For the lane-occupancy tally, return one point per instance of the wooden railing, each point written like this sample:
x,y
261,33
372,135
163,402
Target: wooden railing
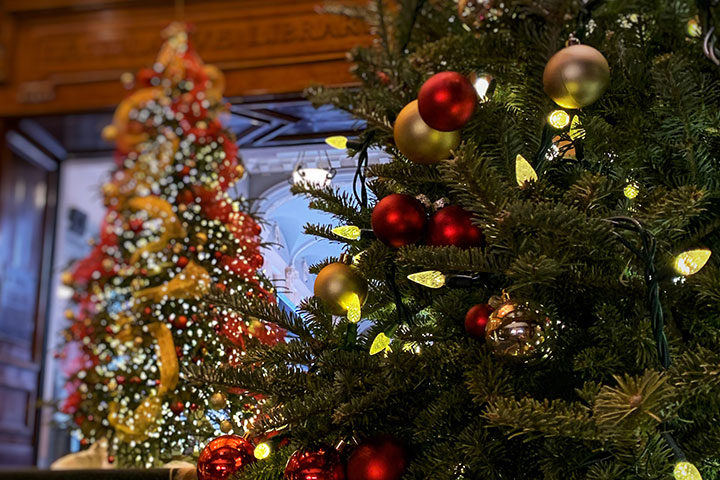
x,y
68,55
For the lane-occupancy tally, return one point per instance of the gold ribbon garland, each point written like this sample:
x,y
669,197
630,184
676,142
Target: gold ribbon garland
x,y
139,424
193,282
156,207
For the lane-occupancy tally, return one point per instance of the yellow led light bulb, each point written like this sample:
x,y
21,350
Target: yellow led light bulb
x,y
262,451
351,232
380,344
691,261
686,471
559,119
338,142
524,172
354,308
631,190
693,28
429,278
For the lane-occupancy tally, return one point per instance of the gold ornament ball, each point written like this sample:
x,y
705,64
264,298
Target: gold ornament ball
x,y
109,133
420,143
519,329
336,284
576,76
226,426
67,279
218,401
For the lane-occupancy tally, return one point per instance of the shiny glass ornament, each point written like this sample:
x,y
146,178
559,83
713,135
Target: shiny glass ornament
x,y
453,225
476,320
340,286
378,458
398,220
323,463
576,76
446,101
419,142
519,329
223,457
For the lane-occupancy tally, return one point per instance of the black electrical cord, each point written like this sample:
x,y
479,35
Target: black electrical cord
x,y
709,30
360,172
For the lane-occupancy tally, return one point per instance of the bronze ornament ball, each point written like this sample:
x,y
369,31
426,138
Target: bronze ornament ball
x,y
420,143
576,76
335,285
520,330
218,401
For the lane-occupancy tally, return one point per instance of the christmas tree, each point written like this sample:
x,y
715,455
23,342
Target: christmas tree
x,y
532,270
172,235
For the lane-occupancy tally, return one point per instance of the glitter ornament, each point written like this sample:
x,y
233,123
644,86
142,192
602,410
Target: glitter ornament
x,y
398,220
378,458
322,463
223,457
419,142
576,76
453,225
446,101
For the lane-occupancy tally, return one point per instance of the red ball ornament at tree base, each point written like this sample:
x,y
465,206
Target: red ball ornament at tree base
x,y
323,463
378,458
398,220
476,320
446,101
224,456
453,226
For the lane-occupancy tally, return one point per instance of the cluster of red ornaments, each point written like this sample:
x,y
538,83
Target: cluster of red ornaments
x,y
378,458
399,220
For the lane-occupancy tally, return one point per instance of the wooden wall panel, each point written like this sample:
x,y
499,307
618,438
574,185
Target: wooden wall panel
x,y
69,59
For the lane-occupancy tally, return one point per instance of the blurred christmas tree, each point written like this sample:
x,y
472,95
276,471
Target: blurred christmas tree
x,y
553,325
171,235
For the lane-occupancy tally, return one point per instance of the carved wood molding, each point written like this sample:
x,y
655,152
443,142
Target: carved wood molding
x,y
71,59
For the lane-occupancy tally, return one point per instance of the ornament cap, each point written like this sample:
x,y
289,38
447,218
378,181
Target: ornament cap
x,y
572,40
346,258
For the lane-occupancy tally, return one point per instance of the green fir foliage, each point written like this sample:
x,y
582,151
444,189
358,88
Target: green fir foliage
x,y
600,406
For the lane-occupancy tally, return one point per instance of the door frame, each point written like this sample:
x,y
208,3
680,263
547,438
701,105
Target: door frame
x,y
28,140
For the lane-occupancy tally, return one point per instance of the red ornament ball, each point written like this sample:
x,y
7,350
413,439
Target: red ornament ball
x,y
378,458
453,226
446,101
223,457
180,322
398,220
177,407
321,464
476,320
